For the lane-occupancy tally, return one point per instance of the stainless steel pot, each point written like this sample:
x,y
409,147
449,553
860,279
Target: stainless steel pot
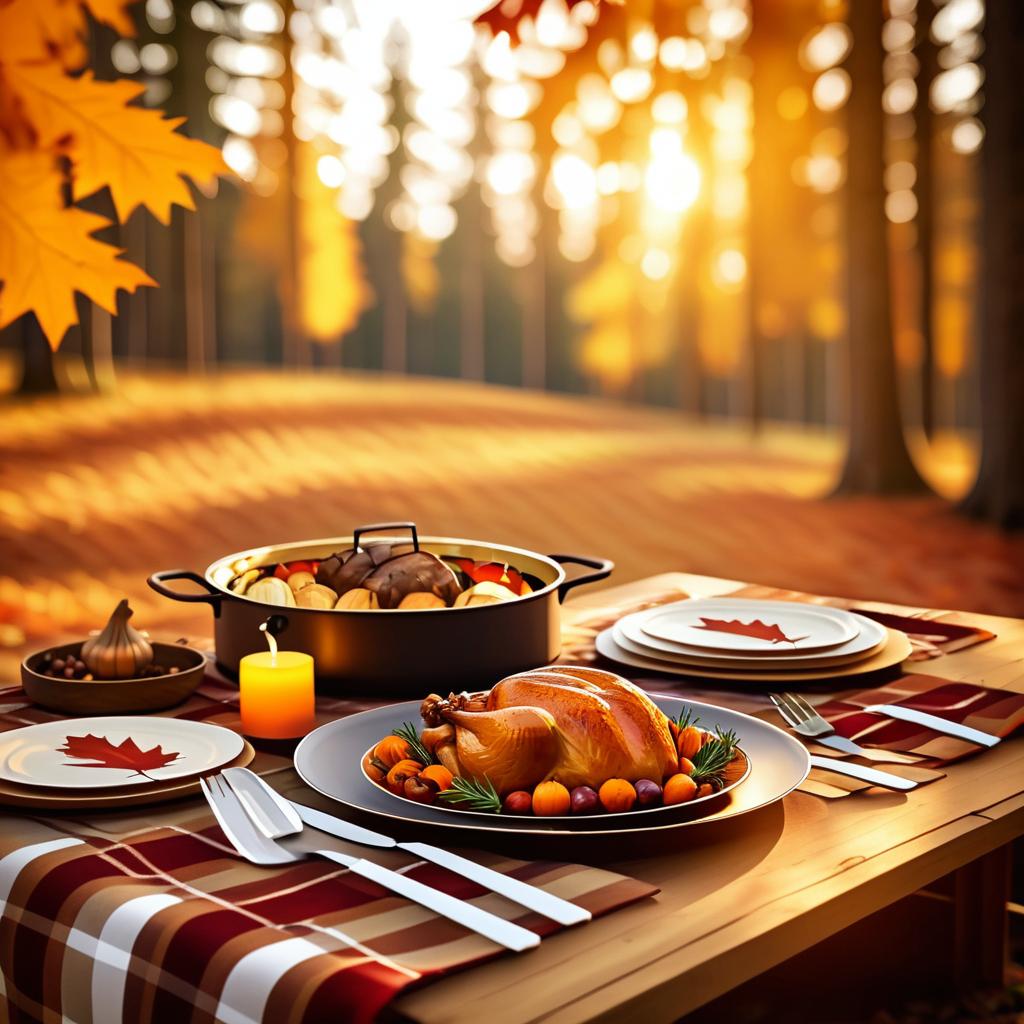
x,y
393,651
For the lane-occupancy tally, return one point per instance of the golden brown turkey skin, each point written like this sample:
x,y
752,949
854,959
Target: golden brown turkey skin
x,y
580,726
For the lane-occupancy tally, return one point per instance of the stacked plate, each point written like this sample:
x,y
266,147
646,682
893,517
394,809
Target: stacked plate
x,y
753,641
112,761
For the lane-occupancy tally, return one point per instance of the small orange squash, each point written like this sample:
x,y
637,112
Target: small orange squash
x,y
689,741
405,769
391,750
374,769
550,798
438,774
686,766
679,789
617,796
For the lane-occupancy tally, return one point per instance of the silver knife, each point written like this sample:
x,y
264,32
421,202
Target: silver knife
x,y
526,895
943,725
862,772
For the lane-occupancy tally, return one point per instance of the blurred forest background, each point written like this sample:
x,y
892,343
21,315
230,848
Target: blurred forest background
x,y
797,220
643,200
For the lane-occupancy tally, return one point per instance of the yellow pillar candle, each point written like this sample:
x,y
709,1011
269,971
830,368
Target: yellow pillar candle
x,y
276,693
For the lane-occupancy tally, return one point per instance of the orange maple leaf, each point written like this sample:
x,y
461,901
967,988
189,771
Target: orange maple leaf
x,y
113,13
40,30
99,752
47,251
134,151
757,629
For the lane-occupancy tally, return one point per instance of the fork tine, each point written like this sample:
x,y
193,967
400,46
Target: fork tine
x,y
240,832
787,714
797,709
805,706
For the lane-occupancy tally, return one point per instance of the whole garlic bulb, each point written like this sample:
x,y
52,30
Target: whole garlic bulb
x,y
120,651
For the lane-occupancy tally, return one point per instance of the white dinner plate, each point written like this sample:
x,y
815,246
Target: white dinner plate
x,y
760,627
113,751
630,634
896,650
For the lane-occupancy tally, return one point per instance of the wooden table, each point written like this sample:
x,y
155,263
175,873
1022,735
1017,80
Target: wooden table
x,y
776,882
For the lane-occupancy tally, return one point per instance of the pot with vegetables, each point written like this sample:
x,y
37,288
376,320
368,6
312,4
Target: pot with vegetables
x,y
387,614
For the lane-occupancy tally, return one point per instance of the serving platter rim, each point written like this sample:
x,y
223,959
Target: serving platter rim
x,y
419,814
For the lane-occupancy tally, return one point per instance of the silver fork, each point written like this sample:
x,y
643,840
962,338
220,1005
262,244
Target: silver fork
x,y
252,844
278,818
802,718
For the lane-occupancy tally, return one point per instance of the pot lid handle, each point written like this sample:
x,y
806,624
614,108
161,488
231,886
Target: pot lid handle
x,y
377,527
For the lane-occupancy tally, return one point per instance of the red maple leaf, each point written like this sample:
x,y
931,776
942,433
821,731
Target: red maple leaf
x,y
757,629
101,753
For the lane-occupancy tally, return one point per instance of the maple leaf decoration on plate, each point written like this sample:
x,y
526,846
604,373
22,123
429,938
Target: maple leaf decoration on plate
x,y
99,752
757,629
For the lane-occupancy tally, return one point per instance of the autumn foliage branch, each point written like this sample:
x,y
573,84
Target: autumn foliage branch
x,y
64,136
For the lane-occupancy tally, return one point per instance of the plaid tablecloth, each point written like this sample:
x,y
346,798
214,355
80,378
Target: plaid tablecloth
x,y
148,915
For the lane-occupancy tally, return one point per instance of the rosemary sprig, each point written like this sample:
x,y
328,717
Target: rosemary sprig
x,y
477,796
407,731
686,719
714,757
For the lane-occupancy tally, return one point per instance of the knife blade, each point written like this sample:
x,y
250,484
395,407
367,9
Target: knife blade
x,y
530,896
943,725
862,772
342,829
870,753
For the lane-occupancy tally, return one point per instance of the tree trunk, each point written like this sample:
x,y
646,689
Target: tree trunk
x,y
37,376
926,51
998,494
877,459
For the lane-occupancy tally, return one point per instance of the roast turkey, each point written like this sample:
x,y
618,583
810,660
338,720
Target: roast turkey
x,y
578,725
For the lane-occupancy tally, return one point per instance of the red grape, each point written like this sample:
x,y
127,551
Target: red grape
x,y
648,793
584,800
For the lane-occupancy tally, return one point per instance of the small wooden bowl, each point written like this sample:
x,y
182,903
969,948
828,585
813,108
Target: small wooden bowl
x,y
114,696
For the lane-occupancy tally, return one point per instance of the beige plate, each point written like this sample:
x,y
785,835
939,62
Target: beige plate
x,y
896,650
13,795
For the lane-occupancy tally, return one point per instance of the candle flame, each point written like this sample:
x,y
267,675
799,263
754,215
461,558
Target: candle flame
x,y
271,640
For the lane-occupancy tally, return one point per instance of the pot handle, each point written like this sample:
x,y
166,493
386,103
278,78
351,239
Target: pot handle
x,y
374,527
158,580
603,567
